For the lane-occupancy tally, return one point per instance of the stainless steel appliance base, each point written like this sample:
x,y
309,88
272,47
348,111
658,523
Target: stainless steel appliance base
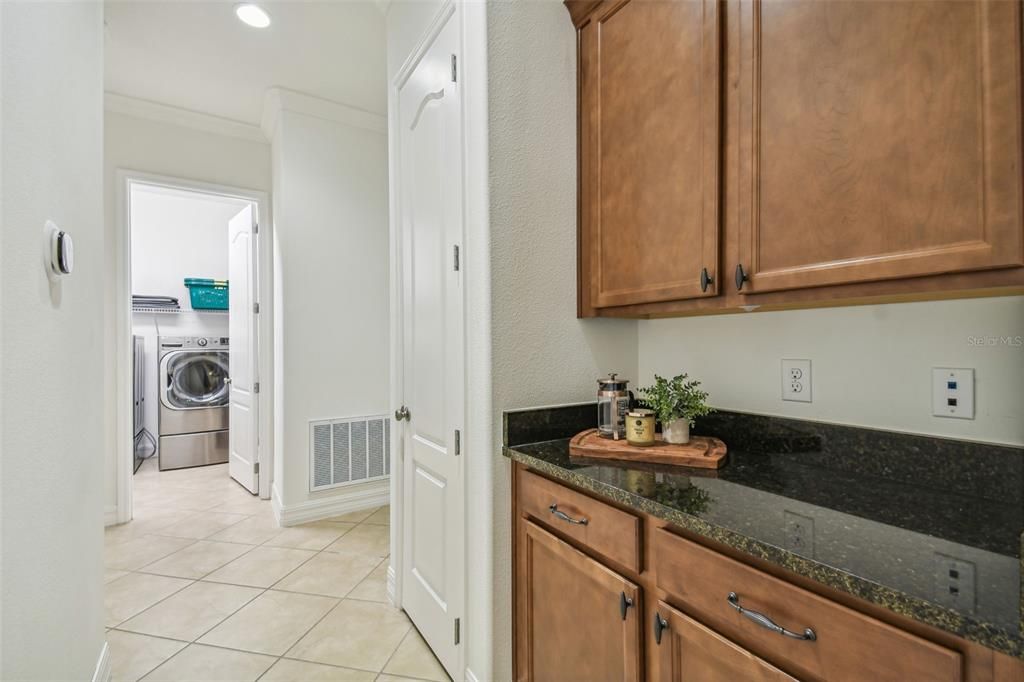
x,y
193,450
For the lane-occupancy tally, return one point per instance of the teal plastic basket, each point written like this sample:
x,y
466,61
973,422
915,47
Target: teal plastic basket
x,y
207,294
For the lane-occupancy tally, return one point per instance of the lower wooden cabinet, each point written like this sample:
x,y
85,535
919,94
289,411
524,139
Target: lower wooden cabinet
x,y
588,609
690,652
580,621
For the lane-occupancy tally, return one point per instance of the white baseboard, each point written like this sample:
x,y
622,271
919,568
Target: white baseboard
x,y
340,503
103,670
470,677
110,515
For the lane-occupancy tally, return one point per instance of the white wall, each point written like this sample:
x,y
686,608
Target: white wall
x,y
871,365
238,158
51,543
176,235
331,231
541,353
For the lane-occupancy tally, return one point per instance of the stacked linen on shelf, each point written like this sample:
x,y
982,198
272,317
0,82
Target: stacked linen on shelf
x,y
162,302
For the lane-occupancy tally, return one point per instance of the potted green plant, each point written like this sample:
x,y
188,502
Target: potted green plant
x,y
677,403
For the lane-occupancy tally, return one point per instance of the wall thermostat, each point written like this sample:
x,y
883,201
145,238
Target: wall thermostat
x,y
61,250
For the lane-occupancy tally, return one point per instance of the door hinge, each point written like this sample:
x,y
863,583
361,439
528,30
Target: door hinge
x,y
256,387
458,442
256,308
457,630
255,467
256,228
455,69
455,257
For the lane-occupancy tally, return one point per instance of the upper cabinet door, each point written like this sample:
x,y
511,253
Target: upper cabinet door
x,y
878,140
649,151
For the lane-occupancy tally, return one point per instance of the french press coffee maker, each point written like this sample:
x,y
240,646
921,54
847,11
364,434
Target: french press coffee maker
x,y
613,401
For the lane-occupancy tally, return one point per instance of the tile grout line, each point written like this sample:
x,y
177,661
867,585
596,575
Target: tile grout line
x,y
199,489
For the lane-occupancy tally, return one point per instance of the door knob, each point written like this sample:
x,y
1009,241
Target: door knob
x,y
402,413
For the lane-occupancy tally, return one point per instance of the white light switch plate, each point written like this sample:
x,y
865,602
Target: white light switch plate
x,y
796,380
953,392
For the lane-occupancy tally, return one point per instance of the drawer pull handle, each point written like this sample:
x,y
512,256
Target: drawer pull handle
x,y
624,604
582,521
660,625
766,622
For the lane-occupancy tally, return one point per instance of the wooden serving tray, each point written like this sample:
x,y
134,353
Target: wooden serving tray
x,y
701,452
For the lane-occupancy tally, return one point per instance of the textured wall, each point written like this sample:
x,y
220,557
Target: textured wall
x,y
870,365
331,231
51,487
541,353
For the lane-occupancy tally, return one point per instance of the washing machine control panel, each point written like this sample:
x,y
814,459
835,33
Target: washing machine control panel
x,y
196,342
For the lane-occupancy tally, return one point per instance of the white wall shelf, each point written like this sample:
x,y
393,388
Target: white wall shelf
x,y
175,311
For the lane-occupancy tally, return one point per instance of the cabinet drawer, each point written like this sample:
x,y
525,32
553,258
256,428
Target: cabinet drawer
x,y
847,645
611,532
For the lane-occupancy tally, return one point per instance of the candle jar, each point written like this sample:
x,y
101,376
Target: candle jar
x,y
640,427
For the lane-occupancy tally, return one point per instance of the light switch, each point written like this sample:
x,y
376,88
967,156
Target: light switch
x,y
953,392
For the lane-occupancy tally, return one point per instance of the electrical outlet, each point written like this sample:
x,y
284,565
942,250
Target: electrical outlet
x,y
799,534
796,380
953,392
955,582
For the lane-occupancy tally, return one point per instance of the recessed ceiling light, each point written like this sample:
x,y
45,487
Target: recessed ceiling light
x,y
253,15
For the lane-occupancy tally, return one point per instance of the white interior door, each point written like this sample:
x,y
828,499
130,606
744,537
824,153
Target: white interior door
x,y
430,210
244,408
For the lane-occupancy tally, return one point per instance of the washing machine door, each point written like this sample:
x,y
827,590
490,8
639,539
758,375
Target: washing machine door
x,y
194,379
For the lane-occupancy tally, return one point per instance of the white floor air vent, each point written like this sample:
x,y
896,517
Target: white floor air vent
x,y
347,451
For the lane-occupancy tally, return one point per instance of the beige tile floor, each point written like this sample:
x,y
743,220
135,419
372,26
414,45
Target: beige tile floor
x,y
203,585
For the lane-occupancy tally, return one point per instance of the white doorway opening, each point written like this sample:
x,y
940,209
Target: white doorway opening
x,y
207,344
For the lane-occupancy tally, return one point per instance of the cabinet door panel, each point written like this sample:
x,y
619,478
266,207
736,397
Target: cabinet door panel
x,y
878,140
569,624
649,150
690,652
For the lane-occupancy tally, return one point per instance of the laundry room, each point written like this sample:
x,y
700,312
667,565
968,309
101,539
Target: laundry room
x,y
180,324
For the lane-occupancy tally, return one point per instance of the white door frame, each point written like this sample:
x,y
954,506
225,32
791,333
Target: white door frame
x,y
123,324
477,436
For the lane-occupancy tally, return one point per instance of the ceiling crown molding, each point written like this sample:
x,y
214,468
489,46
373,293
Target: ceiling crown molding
x,y
186,118
282,99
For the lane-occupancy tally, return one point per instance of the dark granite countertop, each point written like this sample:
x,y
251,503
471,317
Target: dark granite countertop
x,y
882,516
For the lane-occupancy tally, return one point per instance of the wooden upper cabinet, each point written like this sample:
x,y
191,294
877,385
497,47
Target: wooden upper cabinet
x,y
649,92
689,652
877,140
575,619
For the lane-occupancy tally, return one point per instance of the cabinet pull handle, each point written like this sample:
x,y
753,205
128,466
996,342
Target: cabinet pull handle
x,y
741,276
582,521
766,622
660,625
706,280
624,604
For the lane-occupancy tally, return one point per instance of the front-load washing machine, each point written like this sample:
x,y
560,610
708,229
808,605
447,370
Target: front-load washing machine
x,y
194,387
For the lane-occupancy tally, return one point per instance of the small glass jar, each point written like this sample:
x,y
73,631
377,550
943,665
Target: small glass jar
x,y
640,427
